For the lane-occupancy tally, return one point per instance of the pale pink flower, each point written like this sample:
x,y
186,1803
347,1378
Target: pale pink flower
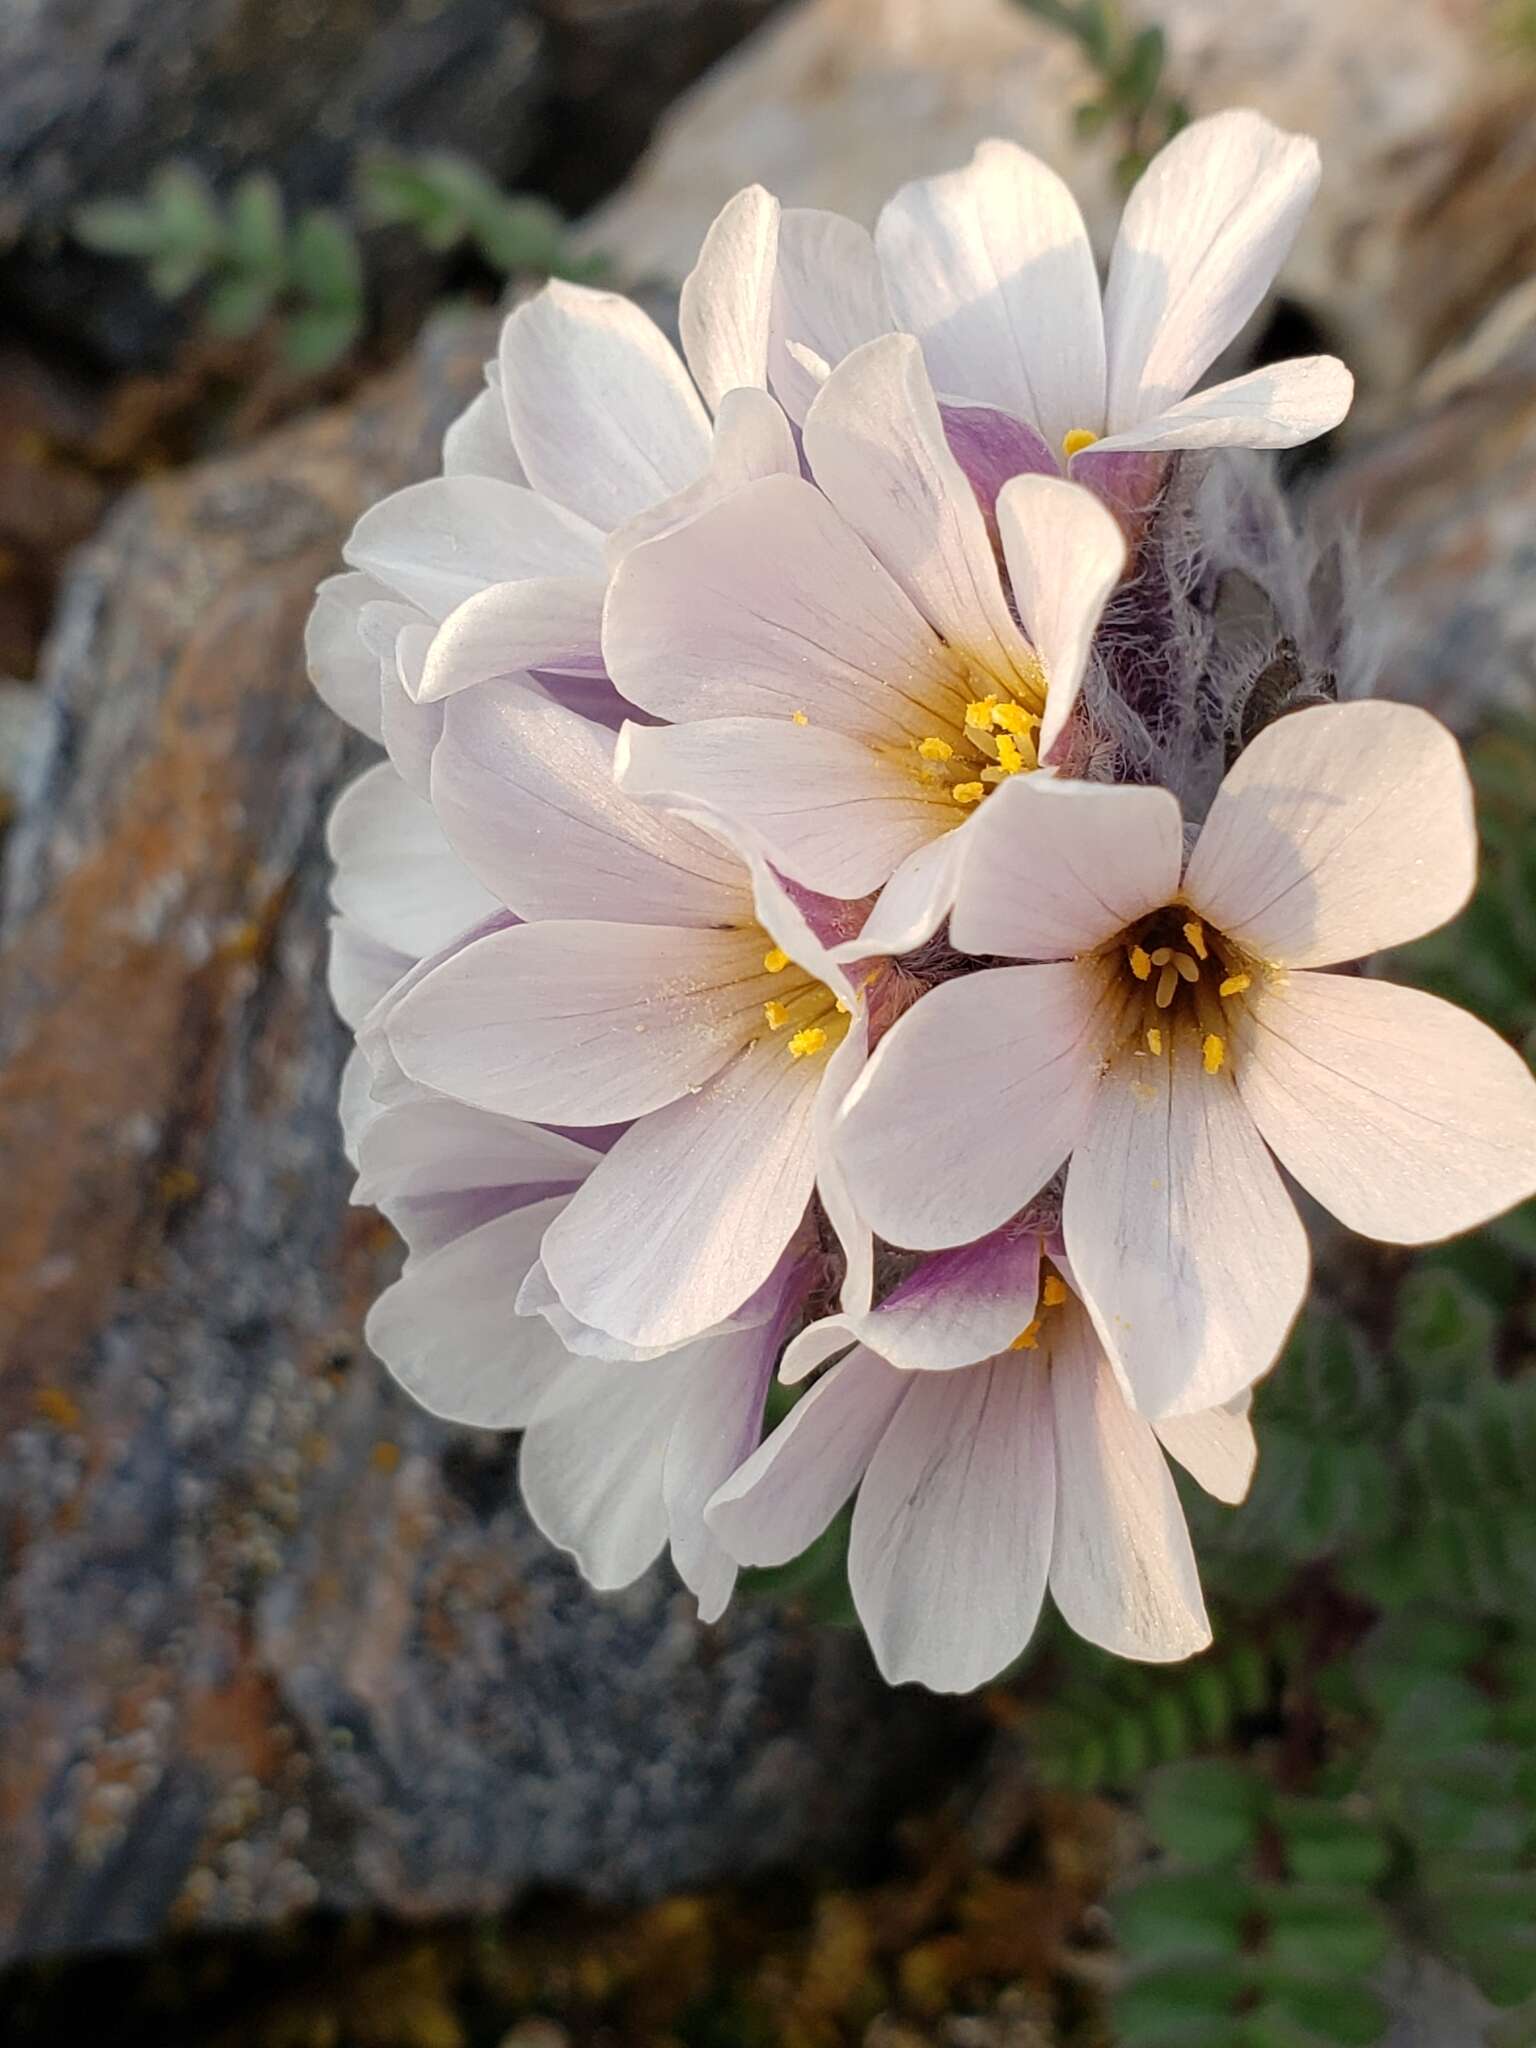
x,y
1175,1033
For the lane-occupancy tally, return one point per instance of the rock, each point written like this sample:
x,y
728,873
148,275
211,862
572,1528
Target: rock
x,y
269,1637
1425,211
94,97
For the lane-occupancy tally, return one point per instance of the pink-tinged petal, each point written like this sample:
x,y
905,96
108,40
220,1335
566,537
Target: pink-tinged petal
x,y
826,1338
1401,1114
434,1146
537,1297
1216,1448
592,1460
727,298
525,792
957,1307
787,1492
876,446
829,298
992,447
1203,234
1340,829
690,1211
447,1332
1188,1251
1055,868
1122,1569
604,417
411,731
355,1106
1065,554
360,969
1129,480
1024,1041
991,269
913,903
343,669
396,876
767,605
445,540
828,810
752,439
951,1537
479,443
716,1431
1279,406
538,622
581,1023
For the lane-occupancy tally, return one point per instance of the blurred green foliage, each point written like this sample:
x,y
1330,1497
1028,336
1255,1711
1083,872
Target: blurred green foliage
x,y
1133,102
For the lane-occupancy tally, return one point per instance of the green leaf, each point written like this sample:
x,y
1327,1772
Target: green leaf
x,y
117,227
238,304
1345,2014
520,234
1323,1929
173,274
313,341
325,265
257,229
1205,1811
1180,1913
1325,1844
187,211
1137,81
1152,2004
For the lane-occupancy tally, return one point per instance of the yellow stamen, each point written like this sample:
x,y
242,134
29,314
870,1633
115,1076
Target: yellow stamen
x,y
1235,984
800,718
982,713
1155,1041
1076,441
1194,931
935,749
1054,1292
968,792
1027,1338
842,1008
776,1014
1213,1051
775,960
1141,959
1013,718
812,1039
1009,759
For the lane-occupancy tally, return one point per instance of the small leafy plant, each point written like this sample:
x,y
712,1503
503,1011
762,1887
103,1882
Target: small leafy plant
x,y
1129,62
449,202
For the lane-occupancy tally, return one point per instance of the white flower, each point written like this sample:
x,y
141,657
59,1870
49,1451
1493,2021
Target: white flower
x,y
981,1485
1175,1033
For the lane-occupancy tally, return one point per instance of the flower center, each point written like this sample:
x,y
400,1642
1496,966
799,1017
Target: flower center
x,y
995,741
811,1018
1181,975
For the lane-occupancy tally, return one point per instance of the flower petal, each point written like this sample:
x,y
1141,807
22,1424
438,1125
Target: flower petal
x,y
410,730
435,1146
449,538
1216,1447
769,604
525,792
538,622
396,876
951,1537
829,298
1187,1249
958,1307
479,442
344,671
581,1023
1279,406
1401,1114
1122,1569
1026,1038
716,1431
991,269
604,417
992,447
727,298
359,970
1065,554
752,439
787,1492
1340,829
1055,868
913,903
1204,231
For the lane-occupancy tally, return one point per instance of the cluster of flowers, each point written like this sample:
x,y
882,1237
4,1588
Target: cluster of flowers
x,y
840,901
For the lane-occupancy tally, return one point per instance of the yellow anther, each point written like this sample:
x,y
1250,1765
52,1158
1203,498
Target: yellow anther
x,y
800,718
1009,759
1213,1051
842,1008
1155,1041
1194,931
935,749
968,792
1141,959
1013,718
1076,441
1054,1292
776,1014
1027,1338
982,713
1235,984
775,960
812,1039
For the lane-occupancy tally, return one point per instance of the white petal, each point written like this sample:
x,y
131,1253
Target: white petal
x,y
1065,554
829,297
396,875
1203,234
716,1431
992,447
584,1023
1340,829
990,268
344,671
411,731
951,1535
876,446
957,1307
434,1146
1122,1570
769,604
1407,1118
449,538
538,622
447,1332
526,794
355,1106
988,1082
727,298
604,417
787,1492
1055,868
359,970
752,439
913,903
1187,1249
828,810
1216,1447
1280,406
688,1214
479,443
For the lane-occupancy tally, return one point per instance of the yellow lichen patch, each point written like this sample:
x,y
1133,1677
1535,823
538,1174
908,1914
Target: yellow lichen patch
x,y
1076,440
57,1407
